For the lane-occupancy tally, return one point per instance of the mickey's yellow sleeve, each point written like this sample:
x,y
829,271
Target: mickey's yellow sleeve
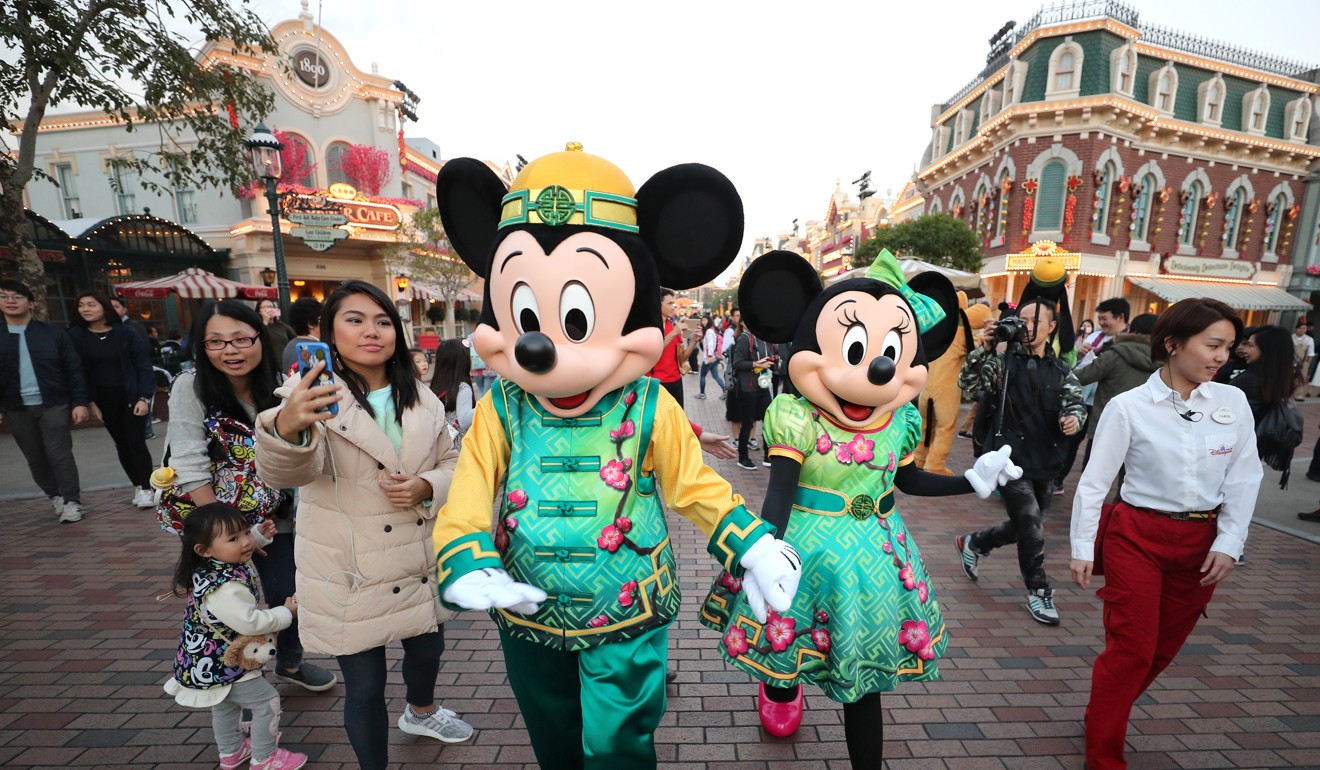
x,y
462,536
696,491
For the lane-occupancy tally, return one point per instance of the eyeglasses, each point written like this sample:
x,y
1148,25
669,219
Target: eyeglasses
x,y
239,343
12,297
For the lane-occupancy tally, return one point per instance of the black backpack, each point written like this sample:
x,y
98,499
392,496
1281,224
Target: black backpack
x,y
1278,433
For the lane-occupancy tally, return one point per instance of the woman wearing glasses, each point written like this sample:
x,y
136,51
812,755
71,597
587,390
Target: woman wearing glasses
x,y
1189,448
210,447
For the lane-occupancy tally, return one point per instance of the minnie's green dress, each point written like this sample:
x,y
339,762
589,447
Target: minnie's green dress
x,y
865,616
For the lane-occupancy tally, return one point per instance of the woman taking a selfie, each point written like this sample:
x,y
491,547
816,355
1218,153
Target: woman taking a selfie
x,y
371,479
1189,448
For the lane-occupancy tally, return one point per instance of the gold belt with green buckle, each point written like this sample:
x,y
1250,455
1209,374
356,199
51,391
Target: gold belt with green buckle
x,y
827,502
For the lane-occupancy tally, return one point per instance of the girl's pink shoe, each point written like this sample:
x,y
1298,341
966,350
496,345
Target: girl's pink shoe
x,y
282,759
780,719
238,758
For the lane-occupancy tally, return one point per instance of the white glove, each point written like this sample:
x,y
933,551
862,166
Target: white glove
x,y
992,470
485,588
773,571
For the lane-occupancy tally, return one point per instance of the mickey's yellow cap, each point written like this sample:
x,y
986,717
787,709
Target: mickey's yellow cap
x,y
571,188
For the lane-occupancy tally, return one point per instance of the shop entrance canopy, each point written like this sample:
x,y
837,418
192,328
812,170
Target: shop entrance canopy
x,y
194,283
1239,296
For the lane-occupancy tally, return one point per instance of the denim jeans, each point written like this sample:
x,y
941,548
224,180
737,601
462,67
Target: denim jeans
x,y
1027,501
278,582
714,369
366,719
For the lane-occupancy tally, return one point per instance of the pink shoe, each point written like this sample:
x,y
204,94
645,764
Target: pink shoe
x,y
779,719
282,759
238,758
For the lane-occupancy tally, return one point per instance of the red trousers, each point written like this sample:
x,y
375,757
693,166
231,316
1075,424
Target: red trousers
x,y
1153,597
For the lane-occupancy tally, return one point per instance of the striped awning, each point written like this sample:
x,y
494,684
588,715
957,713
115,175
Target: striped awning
x,y
429,291
194,283
1239,296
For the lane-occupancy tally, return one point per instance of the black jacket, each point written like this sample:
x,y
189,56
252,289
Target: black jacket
x,y
136,377
58,369
747,350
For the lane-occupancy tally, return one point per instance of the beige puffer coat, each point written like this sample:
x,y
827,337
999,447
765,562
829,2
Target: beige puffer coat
x,y
366,571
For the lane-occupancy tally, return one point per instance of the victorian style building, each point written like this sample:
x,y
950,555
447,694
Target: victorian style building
x,y
1174,166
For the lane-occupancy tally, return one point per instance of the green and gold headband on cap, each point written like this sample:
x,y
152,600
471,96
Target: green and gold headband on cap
x,y
571,188
886,269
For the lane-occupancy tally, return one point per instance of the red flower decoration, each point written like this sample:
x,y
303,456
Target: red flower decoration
x,y
923,591
626,592
824,444
914,636
615,474
887,548
859,450
926,653
821,638
626,430
610,538
630,399
511,523
779,631
516,498
598,621
735,641
501,539
623,523
822,617
901,537
731,583
908,576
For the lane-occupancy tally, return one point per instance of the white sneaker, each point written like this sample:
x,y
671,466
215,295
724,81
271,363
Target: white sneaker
x,y
58,503
72,512
144,498
441,724
1040,603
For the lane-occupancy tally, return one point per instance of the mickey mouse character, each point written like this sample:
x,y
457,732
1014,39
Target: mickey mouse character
x,y
865,616
579,572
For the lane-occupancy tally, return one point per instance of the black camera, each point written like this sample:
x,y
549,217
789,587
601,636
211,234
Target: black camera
x,y
1010,329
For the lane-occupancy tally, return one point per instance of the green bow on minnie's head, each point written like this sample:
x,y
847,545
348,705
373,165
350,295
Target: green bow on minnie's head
x,y
885,269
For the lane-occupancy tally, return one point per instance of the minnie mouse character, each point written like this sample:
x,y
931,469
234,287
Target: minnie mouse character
x,y
579,572
865,616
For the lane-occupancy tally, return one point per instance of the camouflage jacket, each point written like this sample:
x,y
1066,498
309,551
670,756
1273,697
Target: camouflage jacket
x,y
984,371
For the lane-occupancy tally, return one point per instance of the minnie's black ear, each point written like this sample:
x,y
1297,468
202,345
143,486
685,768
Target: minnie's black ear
x,y
468,195
775,292
691,218
936,340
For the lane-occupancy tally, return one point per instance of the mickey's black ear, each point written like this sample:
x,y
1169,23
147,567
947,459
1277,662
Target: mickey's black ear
x,y
936,340
691,218
775,292
468,195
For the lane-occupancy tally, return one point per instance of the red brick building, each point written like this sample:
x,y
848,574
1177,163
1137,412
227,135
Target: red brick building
x,y
1174,165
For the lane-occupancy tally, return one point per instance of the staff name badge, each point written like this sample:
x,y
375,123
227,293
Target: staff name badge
x,y
1224,416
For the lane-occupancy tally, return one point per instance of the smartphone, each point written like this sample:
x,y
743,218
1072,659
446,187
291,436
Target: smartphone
x,y
309,353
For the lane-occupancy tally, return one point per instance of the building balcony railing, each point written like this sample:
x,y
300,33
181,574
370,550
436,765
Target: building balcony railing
x,y
1078,10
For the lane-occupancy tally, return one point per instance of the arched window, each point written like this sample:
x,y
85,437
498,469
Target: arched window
x,y
1164,88
298,160
1123,66
1191,213
334,163
1233,214
1256,110
989,104
956,208
1275,223
1211,97
984,210
1001,209
1141,208
1050,197
1013,82
1299,118
1104,195
1065,74
935,206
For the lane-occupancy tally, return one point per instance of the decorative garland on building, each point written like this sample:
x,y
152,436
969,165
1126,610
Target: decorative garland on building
x,y
1210,201
1070,205
1028,207
1289,216
1005,188
1163,194
1252,206
1124,182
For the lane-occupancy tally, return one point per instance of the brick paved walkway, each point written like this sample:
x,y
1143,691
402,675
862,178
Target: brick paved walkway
x,y
85,646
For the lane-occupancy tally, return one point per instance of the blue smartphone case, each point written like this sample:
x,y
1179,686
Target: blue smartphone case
x,y
308,354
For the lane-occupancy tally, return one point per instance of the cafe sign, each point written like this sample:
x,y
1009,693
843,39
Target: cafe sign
x,y
310,67
1208,268
360,213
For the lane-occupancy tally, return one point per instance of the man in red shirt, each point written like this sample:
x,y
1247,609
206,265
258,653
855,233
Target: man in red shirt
x,y
666,369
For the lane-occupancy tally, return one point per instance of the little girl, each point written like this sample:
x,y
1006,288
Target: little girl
x,y
215,572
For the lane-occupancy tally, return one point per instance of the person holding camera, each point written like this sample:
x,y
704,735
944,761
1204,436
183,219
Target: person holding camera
x,y
1035,405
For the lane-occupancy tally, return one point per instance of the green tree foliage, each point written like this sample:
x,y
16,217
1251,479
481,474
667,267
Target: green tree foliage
x,y
422,253
939,239
138,61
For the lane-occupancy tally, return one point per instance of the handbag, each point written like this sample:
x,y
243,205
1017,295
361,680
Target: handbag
x,y
1278,433
232,448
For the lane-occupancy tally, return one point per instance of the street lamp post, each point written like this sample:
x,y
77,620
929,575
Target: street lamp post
x,y
264,154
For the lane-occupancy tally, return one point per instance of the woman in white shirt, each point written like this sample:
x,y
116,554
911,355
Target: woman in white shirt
x,y
711,347
1189,449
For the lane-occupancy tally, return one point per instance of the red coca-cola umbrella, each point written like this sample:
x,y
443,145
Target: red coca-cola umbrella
x,y
194,283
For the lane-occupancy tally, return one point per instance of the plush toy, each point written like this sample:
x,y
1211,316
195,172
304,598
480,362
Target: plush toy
x,y
1049,280
865,616
941,398
576,443
250,652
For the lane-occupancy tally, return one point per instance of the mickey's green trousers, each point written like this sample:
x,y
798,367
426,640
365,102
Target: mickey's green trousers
x,y
596,709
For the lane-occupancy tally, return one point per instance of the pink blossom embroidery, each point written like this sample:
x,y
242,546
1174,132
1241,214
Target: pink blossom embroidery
x,y
517,498
501,539
626,592
731,583
511,523
908,576
625,431
735,641
861,448
610,538
822,617
923,591
615,474
914,636
779,631
630,399
926,653
821,638
623,523
598,621
901,537
887,548
824,444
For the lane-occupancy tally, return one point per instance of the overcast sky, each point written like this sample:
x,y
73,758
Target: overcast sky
x,y
786,98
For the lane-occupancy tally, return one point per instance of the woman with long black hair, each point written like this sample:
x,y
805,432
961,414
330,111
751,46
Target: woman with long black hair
x,y
372,475
210,447
451,382
1271,372
117,364
1189,449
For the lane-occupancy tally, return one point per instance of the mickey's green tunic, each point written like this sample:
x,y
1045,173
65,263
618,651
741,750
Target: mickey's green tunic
x,y
865,616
